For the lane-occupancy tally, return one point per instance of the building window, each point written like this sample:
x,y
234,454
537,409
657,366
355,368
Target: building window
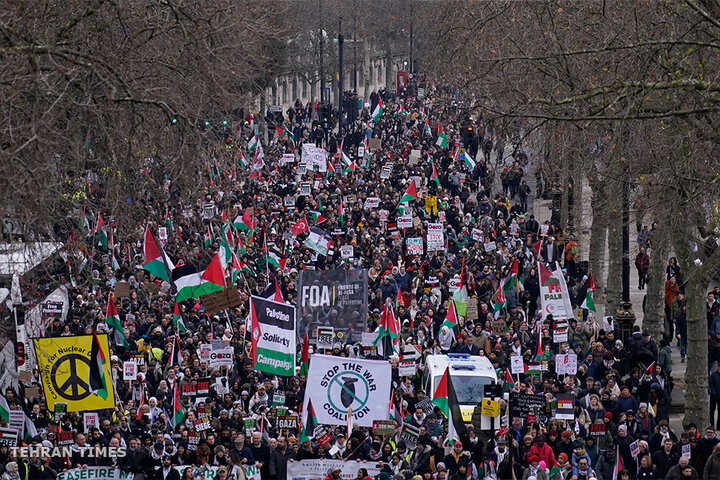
x,y
294,89
379,74
304,89
284,92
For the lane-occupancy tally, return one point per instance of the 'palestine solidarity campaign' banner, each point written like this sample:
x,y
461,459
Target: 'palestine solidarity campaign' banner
x,y
338,385
554,295
333,298
273,336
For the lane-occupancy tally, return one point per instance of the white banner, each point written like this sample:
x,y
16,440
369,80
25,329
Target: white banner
x,y
554,296
337,384
106,473
221,356
211,472
317,469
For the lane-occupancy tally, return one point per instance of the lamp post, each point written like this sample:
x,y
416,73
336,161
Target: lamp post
x,y
340,76
625,317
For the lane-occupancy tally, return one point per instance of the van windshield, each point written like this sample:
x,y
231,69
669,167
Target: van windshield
x,y
470,390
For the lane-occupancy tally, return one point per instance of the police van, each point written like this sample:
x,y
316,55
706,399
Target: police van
x,y
469,375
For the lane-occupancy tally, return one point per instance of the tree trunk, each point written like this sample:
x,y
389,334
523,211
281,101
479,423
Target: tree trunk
x,y
654,317
367,77
262,125
696,373
598,237
614,276
564,204
389,64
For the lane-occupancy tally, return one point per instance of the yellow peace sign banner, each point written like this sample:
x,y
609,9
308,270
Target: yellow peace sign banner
x,y
66,365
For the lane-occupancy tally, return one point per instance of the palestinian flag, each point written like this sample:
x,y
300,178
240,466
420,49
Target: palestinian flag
x,y
451,320
388,332
341,214
330,169
178,413
243,162
244,222
509,382
428,130
532,369
536,247
253,143
512,280
377,113
237,263
225,254
99,369
30,430
113,319
395,412
442,140
617,468
284,133
190,283
4,409
410,194
469,161
500,301
446,400
273,292
276,260
168,220
366,153
305,357
308,426
101,232
586,294
208,237
176,356
349,169
317,217
434,176
178,321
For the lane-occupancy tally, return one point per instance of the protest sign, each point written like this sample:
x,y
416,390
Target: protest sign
x,y
405,221
333,297
347,251
383,427
426,404
287,422
273,332
372,202
564,410
524,404
66,365
325,337
8,437
317,469
414,246
554,296
106,473
490,407
221,356
336,385
435,237
407,369
129,370
516,364
410,434
566,364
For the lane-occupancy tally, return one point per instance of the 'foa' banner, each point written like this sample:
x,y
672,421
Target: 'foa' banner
x,y
273,332
73,373
338,385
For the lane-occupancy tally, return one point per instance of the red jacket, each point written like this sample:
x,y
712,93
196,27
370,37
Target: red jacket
x,y
545,453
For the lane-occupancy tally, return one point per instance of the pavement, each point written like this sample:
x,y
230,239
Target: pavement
x,y
541,209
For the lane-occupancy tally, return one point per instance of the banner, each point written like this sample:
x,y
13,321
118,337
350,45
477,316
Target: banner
x,y
105,473
210,472
65,366
414,246
273,328
317,469
336,385
554,296
334,298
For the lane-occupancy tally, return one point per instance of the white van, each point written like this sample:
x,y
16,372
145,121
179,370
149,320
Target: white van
x,y
469,374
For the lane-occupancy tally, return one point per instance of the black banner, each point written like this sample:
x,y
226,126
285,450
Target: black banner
x,y
333,298
525,404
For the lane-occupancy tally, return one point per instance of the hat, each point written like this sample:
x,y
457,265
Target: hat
x,y
608,415
169,442
566,434
533,458
159,446
441,466
501,441
608,355
562,458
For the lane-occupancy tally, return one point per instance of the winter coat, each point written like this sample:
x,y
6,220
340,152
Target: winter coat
x,y
712,468
664,359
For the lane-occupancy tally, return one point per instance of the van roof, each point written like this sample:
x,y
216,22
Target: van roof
x,y
459,364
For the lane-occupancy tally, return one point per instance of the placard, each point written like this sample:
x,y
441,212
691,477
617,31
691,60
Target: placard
x,y
287,422
564,410
289,201
347,251
517,365
129,370
8,437
410,434
686,450
476,235
17,421
217,301
220,357
490,246
435,237
163,233
374,143
305,189
372,202
221,385
288,158
383,215
426,404
634,448
65,438
566,363
414,246
471,310
278,398
524,404
499,327
122,290
385,173
32,392
406,221
203,423
407,369
325,337
203,386
383,427
596,429
560,336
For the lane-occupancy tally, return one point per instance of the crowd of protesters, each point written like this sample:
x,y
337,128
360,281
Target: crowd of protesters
x,y
614,385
